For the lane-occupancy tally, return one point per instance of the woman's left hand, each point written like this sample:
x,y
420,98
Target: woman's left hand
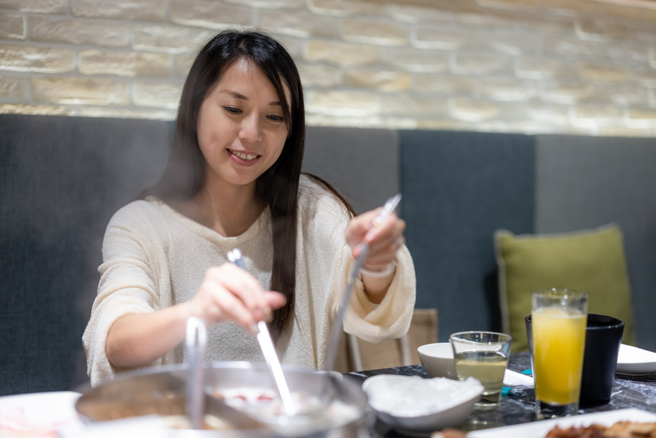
x,y
384,240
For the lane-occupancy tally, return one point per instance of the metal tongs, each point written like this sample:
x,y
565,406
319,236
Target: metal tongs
x,y
337,327
269,351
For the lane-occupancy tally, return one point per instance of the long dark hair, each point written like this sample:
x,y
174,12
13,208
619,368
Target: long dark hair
x,y
184,175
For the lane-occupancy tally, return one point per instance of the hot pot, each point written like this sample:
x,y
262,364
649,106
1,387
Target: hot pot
x,y
162,391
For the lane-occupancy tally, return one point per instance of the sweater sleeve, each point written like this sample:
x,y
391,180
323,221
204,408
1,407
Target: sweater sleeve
x,y
127,285
391,318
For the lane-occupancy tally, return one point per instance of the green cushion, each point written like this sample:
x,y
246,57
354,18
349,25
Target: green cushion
x,y
591,260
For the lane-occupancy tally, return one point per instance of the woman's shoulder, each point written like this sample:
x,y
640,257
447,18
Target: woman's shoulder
x,y
317,200
137,213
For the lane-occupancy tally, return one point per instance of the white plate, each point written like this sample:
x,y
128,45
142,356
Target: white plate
x,y
539,429
38,414
634,360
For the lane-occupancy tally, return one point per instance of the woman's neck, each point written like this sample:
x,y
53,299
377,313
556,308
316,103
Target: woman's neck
x,y
229,210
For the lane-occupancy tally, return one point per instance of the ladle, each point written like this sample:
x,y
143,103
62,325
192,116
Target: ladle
x,y
269,351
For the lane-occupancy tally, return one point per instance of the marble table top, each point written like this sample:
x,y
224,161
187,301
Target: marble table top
x,y
518,408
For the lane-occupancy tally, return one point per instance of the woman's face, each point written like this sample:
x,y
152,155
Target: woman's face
x,y
241,130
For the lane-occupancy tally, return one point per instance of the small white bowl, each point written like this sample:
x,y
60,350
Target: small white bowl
x,y
437,360
416,405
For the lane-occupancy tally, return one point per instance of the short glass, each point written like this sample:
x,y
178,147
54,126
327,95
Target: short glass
x,y
483,356
558,318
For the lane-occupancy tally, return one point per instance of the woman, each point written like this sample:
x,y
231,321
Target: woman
x,y
233,181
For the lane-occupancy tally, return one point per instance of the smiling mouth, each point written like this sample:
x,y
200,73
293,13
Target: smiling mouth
x,y
243,156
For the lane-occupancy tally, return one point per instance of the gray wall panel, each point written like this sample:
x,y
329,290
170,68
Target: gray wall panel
x,y
344,158
585,182
458,188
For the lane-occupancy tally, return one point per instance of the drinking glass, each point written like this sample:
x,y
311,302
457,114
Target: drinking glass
x,y
483,356
559,318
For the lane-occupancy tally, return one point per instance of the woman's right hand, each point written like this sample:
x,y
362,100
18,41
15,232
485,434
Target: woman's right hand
x,y
229,293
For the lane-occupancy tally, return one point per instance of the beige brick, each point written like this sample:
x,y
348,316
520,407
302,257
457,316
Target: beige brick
x,y
511,44
374,32
12,87
646,78
343,103
414,13
35,110
471,110
536,24
601,73
72,31
210,14
345,7
11,26
340,53
124,113
652,98
652,57
565,92
361,122
299,24
478,63
38,6
597,115
273,4
618,131
507,89
168,39
404,105
157,94
96,62
36,59
640,118
622,96
377,79
442,38
318,75
510,5
416,60
614,51
485,19
540,68
601,29
294,46
182,64
545,113
92,91
138,10
445,84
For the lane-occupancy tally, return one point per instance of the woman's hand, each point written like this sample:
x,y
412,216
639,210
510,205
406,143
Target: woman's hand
x,y
229,293
384,241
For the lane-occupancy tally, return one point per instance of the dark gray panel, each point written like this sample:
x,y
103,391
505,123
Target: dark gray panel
x,y
458,189
585,182
362,164
61,179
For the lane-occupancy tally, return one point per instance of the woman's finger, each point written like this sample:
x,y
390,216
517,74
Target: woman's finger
x,y
359,226
242,285
232,308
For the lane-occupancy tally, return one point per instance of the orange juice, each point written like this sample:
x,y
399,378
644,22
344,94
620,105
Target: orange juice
x,y
558,344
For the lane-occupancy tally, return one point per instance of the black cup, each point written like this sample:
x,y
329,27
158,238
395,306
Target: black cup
x,y
603,336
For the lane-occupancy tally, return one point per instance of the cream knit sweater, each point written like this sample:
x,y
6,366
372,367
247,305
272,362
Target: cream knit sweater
x,y
154,257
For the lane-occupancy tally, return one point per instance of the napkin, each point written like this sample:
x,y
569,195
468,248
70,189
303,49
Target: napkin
x,y
512,378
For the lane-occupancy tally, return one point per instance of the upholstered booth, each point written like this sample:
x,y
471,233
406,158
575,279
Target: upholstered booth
x,y
62,178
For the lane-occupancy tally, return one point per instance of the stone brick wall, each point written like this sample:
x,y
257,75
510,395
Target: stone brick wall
x,y
554,66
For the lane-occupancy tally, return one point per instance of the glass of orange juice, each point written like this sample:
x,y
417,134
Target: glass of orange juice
x,y
559,319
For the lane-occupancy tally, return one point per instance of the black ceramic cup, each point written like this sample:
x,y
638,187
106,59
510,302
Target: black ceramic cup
x,y
603,336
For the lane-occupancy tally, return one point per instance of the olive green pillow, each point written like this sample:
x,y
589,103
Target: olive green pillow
x,y
591,260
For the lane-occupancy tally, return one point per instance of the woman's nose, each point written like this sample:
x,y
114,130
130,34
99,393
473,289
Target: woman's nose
x,y
250,129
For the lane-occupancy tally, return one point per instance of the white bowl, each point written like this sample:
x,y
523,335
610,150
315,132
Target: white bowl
x,y
416,405
437,360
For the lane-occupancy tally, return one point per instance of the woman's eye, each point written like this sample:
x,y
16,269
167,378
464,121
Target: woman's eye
x,y
276,118
232,109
